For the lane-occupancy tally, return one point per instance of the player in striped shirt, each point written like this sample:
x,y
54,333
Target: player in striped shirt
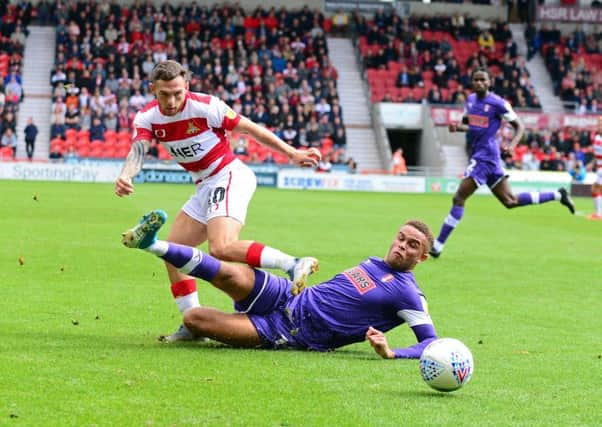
x,y
193,129
360,303
597,185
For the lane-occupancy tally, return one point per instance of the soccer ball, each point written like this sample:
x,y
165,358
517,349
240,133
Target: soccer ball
x,y
446,364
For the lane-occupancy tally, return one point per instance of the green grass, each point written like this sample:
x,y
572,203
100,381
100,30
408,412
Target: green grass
x,y
80,317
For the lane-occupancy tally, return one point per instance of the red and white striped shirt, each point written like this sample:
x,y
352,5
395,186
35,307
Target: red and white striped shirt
x,y
598,151
195,136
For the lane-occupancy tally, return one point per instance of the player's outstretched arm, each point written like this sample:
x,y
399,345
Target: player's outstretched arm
x,y
133,165
425,334
304,158
379,343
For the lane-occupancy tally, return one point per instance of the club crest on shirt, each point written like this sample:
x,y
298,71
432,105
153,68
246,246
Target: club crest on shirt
x,y
192,129
360,279
486,109
160,133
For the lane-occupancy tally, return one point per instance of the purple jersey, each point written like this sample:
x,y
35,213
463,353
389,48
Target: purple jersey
x,y
339,311
484,119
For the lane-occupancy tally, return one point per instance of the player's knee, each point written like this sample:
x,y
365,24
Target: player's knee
x,y
458,200
220,251
194,319
510,201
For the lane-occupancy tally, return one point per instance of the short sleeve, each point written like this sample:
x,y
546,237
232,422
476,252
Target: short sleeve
x,y
508,113
142,128
220,115
417,314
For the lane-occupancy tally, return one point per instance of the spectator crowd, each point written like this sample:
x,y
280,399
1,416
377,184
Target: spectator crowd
x,y
271,65
430,58
14,20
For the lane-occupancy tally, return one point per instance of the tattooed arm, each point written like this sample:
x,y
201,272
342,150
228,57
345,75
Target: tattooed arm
x,y
133,165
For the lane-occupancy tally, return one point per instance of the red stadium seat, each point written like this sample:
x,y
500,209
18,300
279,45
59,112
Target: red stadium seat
x,y
419,93
122,152
97,146
57,144
83,151
6,153
97,152
110,135
164,155
71,133
445,94
109,153
124,135
279,158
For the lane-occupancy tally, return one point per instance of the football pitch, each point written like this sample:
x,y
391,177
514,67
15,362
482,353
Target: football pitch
x,y
81,314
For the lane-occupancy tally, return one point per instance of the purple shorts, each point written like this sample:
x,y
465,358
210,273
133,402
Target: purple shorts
x,y
267,308
485,172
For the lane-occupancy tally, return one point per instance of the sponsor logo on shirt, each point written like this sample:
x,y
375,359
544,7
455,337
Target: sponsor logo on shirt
x,y
360,280
186,152
478,121
230,113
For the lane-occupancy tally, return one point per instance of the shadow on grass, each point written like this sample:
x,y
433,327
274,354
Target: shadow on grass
x,y
78,338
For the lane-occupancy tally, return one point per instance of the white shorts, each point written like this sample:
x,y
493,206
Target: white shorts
x,y
599,176
226,193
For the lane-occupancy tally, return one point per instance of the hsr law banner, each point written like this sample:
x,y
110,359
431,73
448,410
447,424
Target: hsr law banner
x,y
559,13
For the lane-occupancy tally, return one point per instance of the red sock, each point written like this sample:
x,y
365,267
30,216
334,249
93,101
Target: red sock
x,y
254,254
183,288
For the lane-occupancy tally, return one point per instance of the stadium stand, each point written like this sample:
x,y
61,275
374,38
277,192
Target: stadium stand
x,y
271,65
14,20
414,59
575,66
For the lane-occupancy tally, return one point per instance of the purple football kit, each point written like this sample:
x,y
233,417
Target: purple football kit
x,y
484,120
339,311
328,315
485,165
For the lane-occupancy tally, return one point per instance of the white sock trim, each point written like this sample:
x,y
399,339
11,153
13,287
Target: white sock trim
x,y
451,221
158,248
535,197
273,258
187,302
197,256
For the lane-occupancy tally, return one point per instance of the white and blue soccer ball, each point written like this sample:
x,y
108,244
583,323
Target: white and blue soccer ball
x,y
446,364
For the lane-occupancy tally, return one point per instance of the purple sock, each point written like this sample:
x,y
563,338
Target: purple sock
x,y
179,255
450,222
546,197
534,198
